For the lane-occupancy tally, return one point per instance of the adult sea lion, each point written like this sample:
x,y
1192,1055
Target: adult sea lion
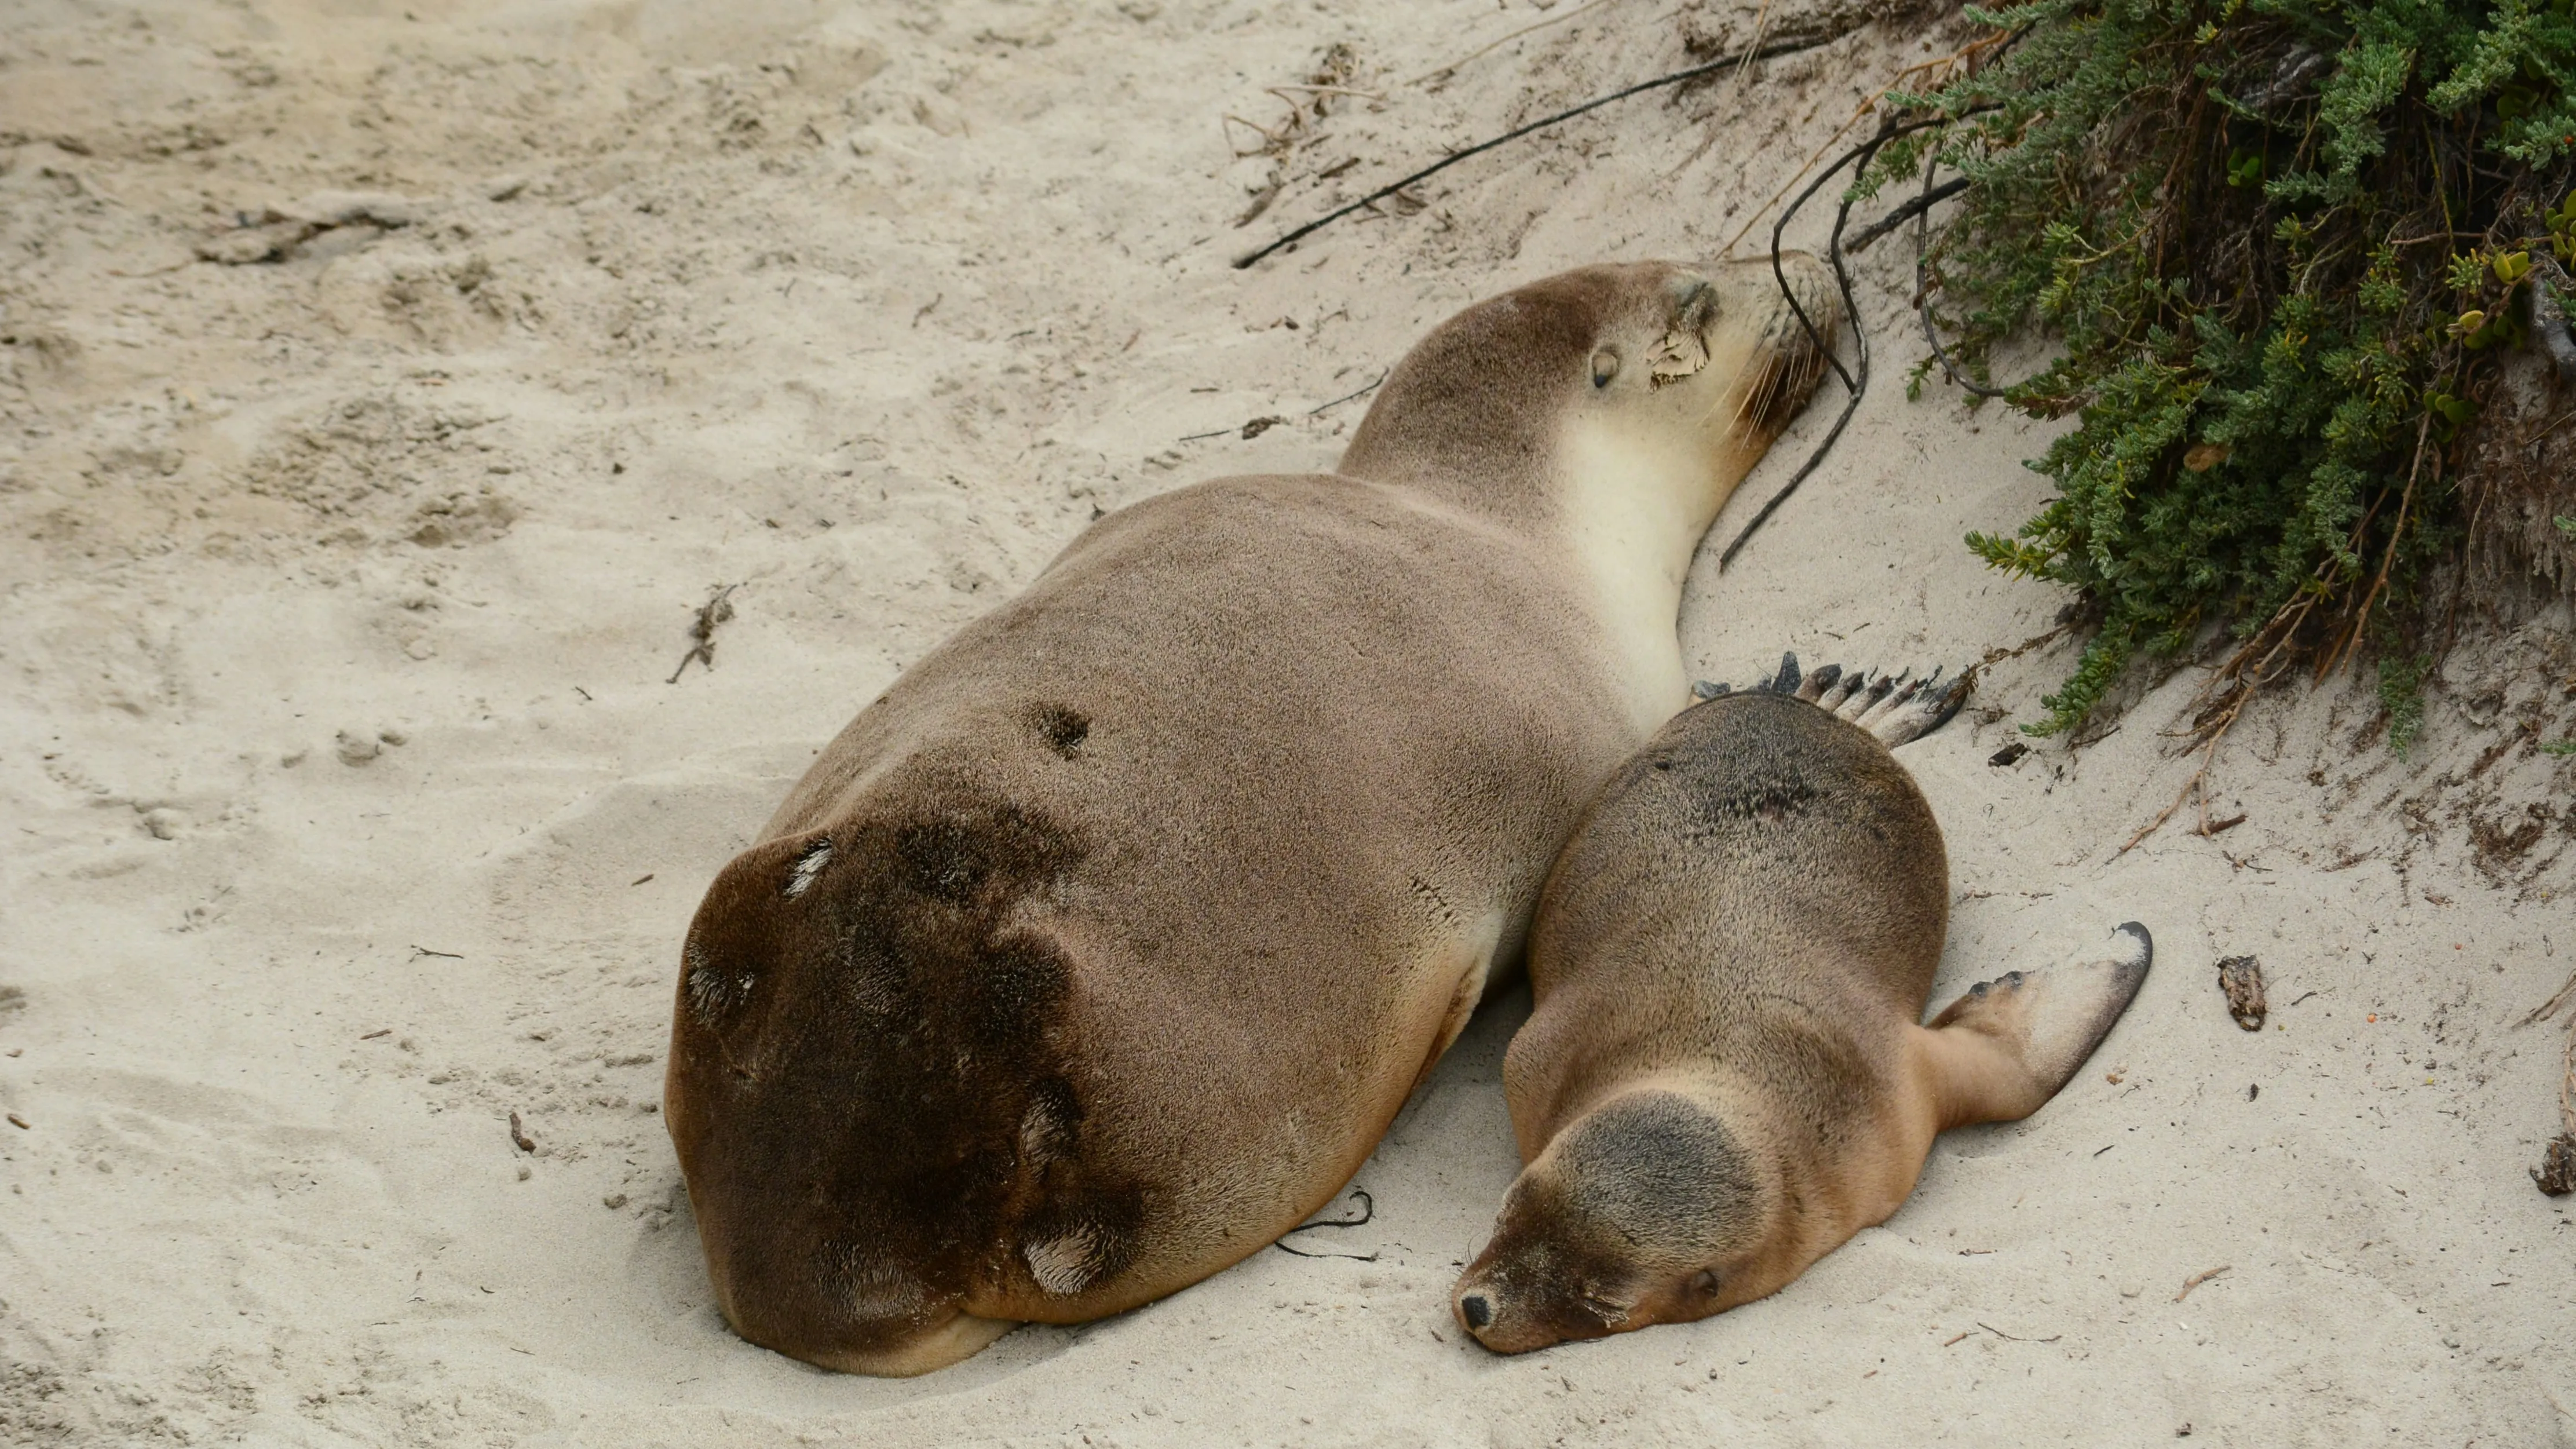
x,y
1100,950
1724,1079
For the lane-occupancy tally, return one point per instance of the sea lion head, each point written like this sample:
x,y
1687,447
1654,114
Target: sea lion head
x,y
1648,1209
1691,369
888,1156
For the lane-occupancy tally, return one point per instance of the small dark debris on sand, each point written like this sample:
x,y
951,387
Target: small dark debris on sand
x,y
519,1137
2556,1174
2196,1279
2241,977
702,631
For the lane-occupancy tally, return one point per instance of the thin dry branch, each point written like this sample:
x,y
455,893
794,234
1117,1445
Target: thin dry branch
x,y
2196,1279
1967,55
1493,45
2228,690
2388,560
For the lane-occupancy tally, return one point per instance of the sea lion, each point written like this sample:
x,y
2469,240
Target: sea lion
x,y
1101,948
1723,1078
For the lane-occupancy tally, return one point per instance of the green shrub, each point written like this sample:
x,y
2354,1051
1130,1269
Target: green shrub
x,y
2281,243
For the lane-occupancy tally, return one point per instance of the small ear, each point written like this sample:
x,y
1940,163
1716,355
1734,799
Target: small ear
x,y
1683,350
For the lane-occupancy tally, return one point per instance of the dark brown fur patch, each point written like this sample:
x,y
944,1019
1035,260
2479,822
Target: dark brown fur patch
x,y
1063,727
879,1104
1771,798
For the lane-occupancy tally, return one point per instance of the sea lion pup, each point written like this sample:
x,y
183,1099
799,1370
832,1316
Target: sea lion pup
x,y
1723,1079
1101,949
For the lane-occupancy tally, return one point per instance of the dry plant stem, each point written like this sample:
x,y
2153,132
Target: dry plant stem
x,y
1868,236
2556,1174
1999,654
2566,1055
702,631
2015,1338
2567,1082
2388,559
2196,1279
1675,78
1761,25
2553,425
2199,780
1270,140
2549,1008
2243,674
1492,45
1966,55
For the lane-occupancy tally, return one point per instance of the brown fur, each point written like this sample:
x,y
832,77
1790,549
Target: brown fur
x,y
1723,1079
1100,950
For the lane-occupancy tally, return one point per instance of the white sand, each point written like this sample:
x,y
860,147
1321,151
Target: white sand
x,y
866,308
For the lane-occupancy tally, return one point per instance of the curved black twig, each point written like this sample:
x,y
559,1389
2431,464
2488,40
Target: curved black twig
x,y
1932,196
1856,377
1768,52
1282,1245
1368,1212
1923,289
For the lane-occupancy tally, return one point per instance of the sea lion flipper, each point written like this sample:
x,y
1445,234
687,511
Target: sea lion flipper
x,y
1896,708
1847,684
1786,681
1926,708
2005,1047
1864,697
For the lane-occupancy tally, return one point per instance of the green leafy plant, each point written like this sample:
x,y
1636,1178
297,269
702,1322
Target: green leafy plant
x,y
2401,693
2280,244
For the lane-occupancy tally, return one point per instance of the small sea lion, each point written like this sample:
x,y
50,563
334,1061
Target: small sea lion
x,y
1101,949
1723,1078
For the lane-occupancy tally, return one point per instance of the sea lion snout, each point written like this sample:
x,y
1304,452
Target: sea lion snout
x,y
1523,1294
839,1306
1795,337
1634,1215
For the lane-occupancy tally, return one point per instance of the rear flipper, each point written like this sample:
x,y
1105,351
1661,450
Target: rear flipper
x,y
1892,707
2003,1049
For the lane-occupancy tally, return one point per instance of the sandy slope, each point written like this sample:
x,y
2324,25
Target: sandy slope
x,y
345,809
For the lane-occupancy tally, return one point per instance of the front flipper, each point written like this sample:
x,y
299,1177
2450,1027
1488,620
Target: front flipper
x,y
2003,1049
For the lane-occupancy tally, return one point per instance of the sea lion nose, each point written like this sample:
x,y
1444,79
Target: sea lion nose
x,y
1476,1310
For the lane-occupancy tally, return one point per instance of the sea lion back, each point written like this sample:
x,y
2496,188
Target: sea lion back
x,y
1767,824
